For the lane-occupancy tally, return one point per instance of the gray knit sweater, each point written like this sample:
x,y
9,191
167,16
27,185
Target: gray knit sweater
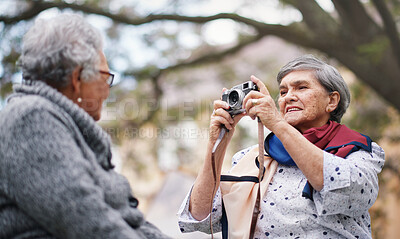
x,y
56,179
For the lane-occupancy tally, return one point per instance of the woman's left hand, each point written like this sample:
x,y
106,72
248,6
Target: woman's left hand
x,y
260,104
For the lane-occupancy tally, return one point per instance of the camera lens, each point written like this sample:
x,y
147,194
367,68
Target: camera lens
x,y
233,97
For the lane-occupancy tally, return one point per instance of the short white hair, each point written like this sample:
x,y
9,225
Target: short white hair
x,y
53,48
327,75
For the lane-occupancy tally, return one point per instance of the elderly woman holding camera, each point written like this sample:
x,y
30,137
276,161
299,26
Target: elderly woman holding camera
x,y
326,177
56,178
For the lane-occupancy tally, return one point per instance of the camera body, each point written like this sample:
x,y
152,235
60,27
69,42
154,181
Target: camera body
x,y
234,97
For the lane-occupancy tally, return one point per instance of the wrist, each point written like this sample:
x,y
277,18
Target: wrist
x,y
279,126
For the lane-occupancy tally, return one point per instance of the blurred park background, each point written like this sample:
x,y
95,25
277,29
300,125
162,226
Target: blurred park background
x,y
173,57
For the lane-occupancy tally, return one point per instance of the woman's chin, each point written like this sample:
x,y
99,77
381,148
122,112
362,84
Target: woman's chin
x,y
292,119
96,116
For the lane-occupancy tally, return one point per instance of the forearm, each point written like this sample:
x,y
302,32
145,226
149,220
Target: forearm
x,y
207,183
308,157
205,186
188,223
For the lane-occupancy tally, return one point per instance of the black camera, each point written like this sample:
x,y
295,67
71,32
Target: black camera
x,y
234,97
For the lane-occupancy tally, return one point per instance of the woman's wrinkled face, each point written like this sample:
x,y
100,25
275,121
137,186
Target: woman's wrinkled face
x,y
303,101
95,91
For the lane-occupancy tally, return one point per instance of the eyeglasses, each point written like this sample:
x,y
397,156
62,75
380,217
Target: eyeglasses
x,y
110,77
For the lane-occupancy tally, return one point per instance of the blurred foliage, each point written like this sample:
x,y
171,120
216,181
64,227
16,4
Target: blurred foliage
x,y
373,51
368,112
5,89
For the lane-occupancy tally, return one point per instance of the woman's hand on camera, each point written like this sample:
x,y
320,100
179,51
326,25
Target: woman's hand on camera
x,y
221,118
260,104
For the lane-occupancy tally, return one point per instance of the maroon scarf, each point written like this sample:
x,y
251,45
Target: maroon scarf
x,y
337,139
333,137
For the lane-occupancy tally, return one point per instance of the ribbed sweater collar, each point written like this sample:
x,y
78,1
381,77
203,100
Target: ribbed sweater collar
x,y
96,138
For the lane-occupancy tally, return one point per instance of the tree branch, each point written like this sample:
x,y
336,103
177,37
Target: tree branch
x,y
315,17
38,6
292,33
206,58
356,19
390,27
156,75
34,9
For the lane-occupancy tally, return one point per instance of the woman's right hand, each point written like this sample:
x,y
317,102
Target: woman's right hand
x,y
221,118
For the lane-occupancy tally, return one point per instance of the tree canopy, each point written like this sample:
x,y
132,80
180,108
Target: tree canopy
x,y
362,35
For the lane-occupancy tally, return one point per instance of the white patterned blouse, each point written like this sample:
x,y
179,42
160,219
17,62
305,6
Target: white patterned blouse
x,y
339,210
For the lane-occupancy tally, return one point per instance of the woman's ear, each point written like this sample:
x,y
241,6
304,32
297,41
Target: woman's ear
x,y
73,90
334,98
76,80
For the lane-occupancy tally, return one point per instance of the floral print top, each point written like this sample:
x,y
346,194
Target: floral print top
x,y
339,210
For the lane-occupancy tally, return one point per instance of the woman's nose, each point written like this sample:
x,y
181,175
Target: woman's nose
x,y
290,96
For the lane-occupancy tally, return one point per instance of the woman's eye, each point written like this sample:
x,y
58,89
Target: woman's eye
x,y
282,93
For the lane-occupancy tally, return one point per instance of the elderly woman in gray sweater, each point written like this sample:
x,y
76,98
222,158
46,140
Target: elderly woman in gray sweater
x,y
56,179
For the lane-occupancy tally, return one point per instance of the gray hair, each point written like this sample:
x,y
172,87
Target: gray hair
x,y
53,48
327,75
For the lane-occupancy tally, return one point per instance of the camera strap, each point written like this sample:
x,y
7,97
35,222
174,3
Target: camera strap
x,y
260,157
256,209
214,171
